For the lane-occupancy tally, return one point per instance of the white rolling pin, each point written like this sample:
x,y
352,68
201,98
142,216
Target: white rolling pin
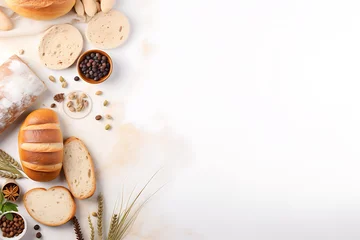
x,y
19,89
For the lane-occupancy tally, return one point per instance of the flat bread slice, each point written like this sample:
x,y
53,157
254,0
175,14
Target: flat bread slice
x,y
108,30
79,169
52,207
60,46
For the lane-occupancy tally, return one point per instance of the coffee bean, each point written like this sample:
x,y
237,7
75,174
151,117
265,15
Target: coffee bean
x,y
98,117
53,105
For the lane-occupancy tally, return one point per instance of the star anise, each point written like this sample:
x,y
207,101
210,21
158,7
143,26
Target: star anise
x,y
11,192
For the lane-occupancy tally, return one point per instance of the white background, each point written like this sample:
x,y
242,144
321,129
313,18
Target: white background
x,y
251,108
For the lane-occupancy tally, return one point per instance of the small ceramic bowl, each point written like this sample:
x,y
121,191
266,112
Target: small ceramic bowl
x,y
89,80
11,183
16,237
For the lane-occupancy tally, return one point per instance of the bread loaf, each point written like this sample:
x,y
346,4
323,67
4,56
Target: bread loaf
x,y
19,89
52,207
41,145
41,9
79,169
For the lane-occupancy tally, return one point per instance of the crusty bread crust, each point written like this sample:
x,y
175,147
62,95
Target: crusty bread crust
x,y
49,158
41,136
43,189
41,10
70,139
41,176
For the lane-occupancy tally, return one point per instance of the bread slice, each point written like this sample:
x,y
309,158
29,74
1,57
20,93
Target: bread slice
x,y
60,46
108,30
52,207
79,169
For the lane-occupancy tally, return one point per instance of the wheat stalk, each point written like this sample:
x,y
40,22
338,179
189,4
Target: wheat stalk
x,y
7,158
126,216
100,216
92,230
10,175
77,229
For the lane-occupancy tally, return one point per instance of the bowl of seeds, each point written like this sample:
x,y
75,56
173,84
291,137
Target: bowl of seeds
x,y
94,66
12,225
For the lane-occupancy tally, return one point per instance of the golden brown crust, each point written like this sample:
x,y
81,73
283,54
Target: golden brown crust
x,y
41,9
41,176
41,149
42,136
68,140
49,158
41,116
43,189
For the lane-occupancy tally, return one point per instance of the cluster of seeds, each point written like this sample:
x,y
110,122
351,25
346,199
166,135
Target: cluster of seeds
x,y
12,228
76,102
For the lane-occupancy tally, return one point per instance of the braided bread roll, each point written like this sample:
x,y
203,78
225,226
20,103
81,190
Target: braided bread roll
x,y
41,145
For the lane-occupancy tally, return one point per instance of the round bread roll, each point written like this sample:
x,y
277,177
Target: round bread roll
x,y
60,46
41,10
108,30
41,145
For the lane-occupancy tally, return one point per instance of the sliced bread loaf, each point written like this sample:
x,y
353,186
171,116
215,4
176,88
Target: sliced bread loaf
x,y
79,169
52,207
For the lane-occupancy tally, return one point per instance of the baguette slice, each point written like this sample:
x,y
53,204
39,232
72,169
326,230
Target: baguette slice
x,y
52,207
79,169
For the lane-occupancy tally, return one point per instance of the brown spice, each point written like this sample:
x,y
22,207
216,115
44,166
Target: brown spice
x,y
59,97
11,192
98,117
12,228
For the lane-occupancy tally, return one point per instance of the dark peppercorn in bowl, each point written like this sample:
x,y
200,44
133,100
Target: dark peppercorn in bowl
x,y
94,66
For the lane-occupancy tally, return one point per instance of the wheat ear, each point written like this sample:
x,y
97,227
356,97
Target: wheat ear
x,y
92,230
9,159
10,175
100,216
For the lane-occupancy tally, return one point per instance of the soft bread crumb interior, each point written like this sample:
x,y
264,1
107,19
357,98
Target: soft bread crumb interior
x,y
78,169
52,207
